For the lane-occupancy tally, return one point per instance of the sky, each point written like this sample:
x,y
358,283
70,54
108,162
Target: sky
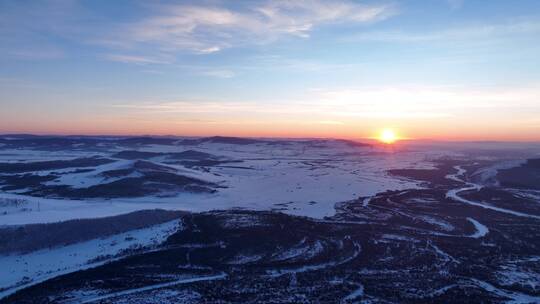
x,y
428,69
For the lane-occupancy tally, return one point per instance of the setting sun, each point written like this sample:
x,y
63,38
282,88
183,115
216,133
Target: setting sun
x,y
388,136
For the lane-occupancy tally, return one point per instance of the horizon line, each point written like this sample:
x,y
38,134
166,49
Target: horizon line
x,y
264,137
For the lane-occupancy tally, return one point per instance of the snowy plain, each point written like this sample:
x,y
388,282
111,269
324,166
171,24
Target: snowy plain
x,y
294,179
297,178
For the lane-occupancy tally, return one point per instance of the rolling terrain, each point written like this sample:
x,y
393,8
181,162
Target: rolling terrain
x,y
314,221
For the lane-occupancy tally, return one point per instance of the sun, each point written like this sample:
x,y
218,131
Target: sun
x,y
388,136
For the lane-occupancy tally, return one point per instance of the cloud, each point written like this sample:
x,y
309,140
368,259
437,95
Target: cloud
x,y
44,53
160,31
470,32
330,122
203,29
300,17
209,50
336,106
135,59
28,28
219,73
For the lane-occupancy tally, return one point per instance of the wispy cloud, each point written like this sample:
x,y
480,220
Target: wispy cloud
x,y
219,73
473,31
204,29
41,54
26,28
336,106
136,59
330,122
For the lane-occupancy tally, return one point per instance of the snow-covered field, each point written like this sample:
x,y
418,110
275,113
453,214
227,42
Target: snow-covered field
x,y
20,271
433,220
296,179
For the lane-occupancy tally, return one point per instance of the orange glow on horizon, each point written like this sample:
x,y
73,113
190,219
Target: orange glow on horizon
x,y
354,130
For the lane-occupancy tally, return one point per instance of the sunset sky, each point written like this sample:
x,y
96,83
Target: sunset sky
x,y
437,69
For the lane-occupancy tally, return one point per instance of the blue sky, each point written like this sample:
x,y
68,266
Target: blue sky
x,y
445,69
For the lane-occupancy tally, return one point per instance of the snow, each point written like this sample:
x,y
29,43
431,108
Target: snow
x,y
455,176
515,297
519,272
48,210
275,181
235,221
487,174
437,222
95,177
365,201
434,293
481,230
423,200
310,181
396,237
301,251
454,194
444,255
519,277
527,194
161,296
315,267
355,294
244,259
16,155
38,266
152,287
88,179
